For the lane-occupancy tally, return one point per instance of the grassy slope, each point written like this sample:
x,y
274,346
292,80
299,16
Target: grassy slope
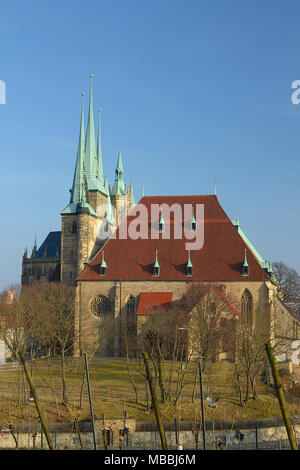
x,y
112,392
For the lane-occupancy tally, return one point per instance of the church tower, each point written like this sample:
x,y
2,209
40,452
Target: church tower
x,y
122,198
89,218
79,218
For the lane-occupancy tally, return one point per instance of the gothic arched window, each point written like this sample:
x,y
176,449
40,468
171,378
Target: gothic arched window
x,y
131,328
247,308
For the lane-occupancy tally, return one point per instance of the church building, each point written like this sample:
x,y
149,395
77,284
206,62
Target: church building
x,y
126,258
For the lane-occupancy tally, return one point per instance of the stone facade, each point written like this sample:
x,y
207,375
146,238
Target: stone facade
x,y
265,305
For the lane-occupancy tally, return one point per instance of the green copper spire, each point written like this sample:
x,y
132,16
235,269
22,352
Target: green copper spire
x,y
90,149
78,186
106,185
79,199
90,144
132,201
119,187
99,155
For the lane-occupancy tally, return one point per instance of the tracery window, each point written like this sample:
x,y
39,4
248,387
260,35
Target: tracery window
x,y
101,306
247,308
131,326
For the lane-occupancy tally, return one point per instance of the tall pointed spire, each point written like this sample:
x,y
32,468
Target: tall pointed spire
x,y
79,192
106,185
99,153
118,187
132,200
90,148
78,186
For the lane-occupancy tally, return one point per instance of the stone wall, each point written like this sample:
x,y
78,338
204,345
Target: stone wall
x,y
65,436
119,292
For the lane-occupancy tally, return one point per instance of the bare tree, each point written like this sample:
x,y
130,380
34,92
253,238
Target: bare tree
x,y
289,283
58,304
164,337
48,320
210,315
248,344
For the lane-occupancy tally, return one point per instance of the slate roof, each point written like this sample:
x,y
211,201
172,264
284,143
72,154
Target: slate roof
x,y
52,242
220,259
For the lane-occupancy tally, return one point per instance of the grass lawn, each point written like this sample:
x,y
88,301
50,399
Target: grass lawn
x,y
113,392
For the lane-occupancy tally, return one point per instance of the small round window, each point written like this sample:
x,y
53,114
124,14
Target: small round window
x,y
100,306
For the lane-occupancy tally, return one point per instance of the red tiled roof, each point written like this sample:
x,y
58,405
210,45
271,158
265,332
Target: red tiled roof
x,y
220,259
149,300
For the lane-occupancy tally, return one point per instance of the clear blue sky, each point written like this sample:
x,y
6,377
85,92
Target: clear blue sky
x,y
192,91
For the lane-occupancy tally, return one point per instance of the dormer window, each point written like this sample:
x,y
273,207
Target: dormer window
x,y
156,271
161,224
103,266
245,267
189,270
189,266
156,267
193,223
102,270
245,270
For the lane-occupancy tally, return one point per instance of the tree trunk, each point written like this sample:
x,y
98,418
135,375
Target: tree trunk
x,y
155,403
253,386
130,377
37,402
161,380
247,388
63,377
281,399
194,386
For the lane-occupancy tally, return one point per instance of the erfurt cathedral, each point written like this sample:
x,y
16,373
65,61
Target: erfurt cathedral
x,y
123,278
